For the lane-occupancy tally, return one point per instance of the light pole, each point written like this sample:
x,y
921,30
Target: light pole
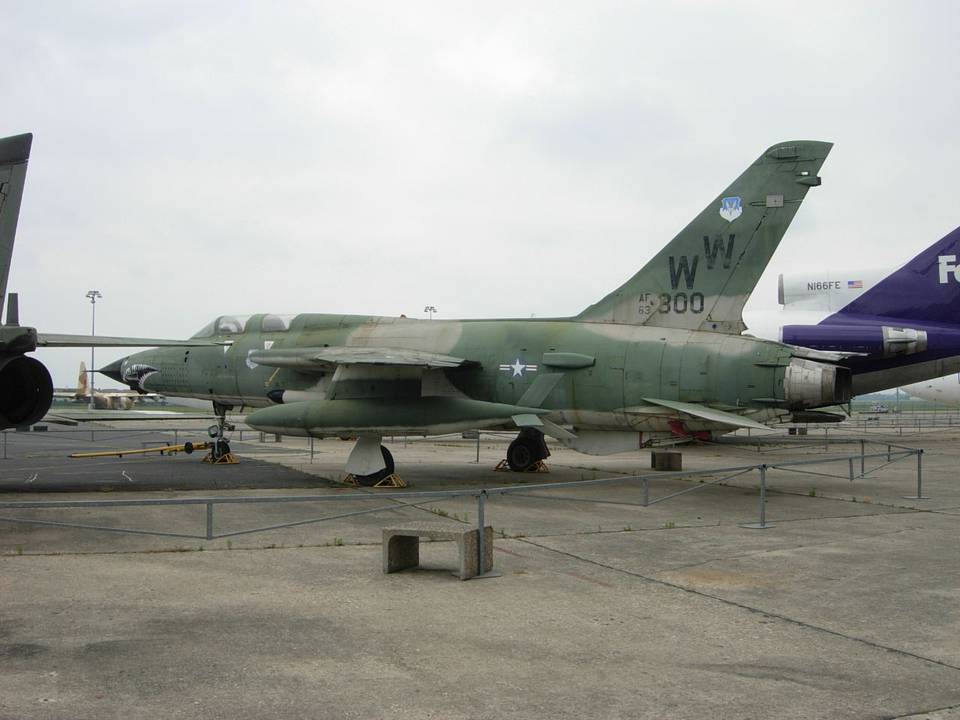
x,y
93,295
431,310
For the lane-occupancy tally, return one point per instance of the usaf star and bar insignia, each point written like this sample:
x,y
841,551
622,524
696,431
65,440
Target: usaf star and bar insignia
x,y
517,368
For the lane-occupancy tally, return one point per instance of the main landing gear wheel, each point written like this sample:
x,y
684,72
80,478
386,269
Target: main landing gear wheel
x,y
527,450
374,478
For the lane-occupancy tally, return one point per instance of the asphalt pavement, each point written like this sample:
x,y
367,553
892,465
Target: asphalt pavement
x,y
847,606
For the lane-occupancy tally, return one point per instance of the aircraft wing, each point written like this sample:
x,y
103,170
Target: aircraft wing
x,y
72,417
327,358
705,413
55,340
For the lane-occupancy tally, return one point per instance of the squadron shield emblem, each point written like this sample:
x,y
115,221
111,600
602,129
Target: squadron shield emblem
x,y
730,208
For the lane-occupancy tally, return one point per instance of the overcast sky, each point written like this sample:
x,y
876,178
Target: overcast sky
x,y
491,159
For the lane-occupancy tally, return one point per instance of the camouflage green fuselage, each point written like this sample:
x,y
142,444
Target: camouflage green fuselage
x,y
620,366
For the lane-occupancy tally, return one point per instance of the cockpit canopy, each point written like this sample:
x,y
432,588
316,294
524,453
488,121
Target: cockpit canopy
x,y
236,324
223,325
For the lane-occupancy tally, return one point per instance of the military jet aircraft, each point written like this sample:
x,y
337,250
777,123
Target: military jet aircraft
x,y
26,389
661,355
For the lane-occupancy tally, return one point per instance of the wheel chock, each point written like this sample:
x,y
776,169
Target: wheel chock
x,y
538,467
390,481
225,459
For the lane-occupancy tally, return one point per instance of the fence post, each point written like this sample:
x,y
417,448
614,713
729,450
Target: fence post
x,y
919,495
763,496
646,492
311,448
5,444
863,458
481,531
850,462
209,521
762,525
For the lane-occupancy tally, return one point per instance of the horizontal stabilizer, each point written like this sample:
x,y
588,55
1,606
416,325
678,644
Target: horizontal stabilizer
x,y
830,356
327,358
53,340
707,413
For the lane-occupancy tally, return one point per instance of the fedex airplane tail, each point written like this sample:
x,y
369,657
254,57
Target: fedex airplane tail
x,y
903,329
924,291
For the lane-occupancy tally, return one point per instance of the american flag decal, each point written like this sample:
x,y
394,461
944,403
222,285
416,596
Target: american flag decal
x,y
854,284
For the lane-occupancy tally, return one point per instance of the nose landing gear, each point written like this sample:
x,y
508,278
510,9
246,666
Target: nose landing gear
x,y
220,447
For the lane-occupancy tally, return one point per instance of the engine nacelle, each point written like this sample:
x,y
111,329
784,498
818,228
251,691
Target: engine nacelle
x,y
809,384
876,340
26,390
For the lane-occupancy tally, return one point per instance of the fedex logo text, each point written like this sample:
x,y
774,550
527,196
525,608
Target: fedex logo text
x,y
948,264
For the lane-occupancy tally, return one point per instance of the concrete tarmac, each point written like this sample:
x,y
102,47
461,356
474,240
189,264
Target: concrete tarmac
x,y
847,607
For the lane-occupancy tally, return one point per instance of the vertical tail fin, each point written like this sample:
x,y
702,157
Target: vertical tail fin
x,y
925,290
83,381
701,280
14,153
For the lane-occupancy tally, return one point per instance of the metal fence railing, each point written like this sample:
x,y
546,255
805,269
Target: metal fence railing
x,y
866,463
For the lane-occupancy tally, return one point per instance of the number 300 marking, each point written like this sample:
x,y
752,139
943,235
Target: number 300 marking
x,y
681,303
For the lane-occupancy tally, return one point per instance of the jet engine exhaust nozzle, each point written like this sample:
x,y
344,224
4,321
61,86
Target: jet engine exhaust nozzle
x,y
26,391
809,384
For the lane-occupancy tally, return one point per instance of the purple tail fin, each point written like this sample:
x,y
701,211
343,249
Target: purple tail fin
x,y
926,290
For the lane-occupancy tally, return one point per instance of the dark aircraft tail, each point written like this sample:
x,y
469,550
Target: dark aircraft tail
x,y
26,390
924,291
14,153
701,280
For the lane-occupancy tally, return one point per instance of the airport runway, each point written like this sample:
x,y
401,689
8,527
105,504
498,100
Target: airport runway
x,y
848,607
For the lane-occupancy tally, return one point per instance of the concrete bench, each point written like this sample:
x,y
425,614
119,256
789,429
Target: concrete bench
x,y
666,460
401,546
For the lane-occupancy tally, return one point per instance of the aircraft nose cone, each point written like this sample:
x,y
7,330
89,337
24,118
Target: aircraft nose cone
x,y
113,370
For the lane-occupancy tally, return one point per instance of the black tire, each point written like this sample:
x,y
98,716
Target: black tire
x,y
374,478
521,456
220,448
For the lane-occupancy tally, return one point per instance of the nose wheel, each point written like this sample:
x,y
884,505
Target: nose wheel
x,y
220,451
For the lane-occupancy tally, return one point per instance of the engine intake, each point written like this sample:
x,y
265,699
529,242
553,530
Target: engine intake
x,y
809,384
26,391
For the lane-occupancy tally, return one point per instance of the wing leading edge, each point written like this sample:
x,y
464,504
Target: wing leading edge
x,y
327,358
55,340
